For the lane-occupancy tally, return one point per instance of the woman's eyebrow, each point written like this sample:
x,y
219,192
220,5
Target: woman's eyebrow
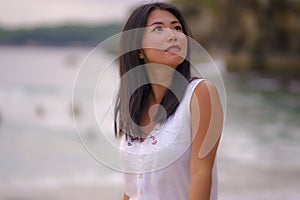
x,y
160,23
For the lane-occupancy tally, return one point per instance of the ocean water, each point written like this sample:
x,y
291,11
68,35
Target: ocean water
x,y
39,145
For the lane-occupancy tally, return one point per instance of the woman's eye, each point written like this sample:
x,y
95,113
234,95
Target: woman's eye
x,y
178,28
158,28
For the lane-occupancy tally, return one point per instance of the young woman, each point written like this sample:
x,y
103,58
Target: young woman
x,y
167,120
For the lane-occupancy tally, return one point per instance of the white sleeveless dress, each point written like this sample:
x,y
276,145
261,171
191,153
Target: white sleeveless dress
x,y
159,167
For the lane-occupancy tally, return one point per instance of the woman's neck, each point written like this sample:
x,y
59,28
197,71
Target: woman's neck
x,y
158,92
160,77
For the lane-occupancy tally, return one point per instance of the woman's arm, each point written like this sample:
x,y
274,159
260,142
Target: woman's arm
x,y
125,197
207,123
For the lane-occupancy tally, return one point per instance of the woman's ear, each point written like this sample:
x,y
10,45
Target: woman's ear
x,y
141,55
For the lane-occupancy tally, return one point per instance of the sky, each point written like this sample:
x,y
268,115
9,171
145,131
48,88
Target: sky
x,y
33,13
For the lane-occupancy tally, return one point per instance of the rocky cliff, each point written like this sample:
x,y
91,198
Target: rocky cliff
x,y
252,35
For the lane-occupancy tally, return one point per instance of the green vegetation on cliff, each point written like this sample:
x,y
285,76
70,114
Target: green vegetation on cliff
x,y
59,36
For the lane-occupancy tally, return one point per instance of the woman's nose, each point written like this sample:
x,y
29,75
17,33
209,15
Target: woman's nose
x,y
172,35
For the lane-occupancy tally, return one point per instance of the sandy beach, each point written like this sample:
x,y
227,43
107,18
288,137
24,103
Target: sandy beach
x,y
74,192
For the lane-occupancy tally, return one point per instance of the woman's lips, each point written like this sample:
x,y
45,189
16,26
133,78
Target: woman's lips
x,y
173,48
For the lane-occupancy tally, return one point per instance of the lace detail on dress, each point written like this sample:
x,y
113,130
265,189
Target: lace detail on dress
x,y
159,138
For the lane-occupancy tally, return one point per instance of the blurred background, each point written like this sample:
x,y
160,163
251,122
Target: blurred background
x,y
256,44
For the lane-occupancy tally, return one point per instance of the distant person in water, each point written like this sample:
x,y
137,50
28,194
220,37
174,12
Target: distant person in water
x,y
164,149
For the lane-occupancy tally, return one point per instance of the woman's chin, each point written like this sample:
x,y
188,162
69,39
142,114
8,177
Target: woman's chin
x,y
174,63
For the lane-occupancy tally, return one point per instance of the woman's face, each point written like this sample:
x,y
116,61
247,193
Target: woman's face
x,y
163,41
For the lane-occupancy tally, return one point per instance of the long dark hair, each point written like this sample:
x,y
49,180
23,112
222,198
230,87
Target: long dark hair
x,y
132,101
